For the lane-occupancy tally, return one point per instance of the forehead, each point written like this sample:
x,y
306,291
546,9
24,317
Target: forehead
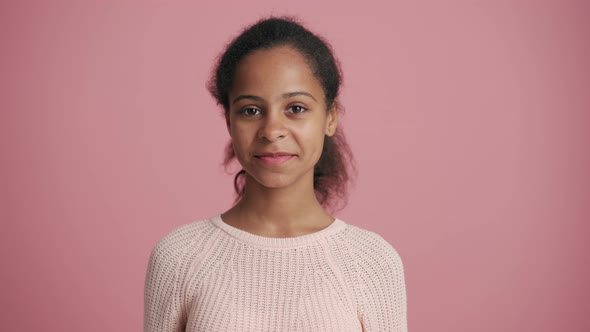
x,y
275,71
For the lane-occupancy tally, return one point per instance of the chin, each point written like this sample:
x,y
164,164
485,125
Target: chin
x,y
274,181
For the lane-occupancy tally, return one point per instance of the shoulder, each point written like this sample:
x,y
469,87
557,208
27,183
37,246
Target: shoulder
x,y
175,243
372,252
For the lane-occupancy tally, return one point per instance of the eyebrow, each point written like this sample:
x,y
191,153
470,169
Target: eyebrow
x,y
298,93
284,95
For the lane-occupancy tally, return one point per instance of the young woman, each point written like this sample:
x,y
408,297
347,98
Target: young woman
x,y
277,260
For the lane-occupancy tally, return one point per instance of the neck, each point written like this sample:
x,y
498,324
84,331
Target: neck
x,y
280,208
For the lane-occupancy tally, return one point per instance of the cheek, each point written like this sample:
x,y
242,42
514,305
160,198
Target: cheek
x,y
241,139
314,134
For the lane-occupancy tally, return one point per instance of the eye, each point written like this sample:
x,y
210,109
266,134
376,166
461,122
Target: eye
x,y
250,111
297,109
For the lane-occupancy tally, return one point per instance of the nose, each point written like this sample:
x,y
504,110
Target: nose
x,y
272,127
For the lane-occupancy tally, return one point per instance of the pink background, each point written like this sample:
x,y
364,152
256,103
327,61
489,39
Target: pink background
x,y
469,120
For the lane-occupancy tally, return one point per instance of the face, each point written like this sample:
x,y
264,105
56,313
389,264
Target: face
x,y
277,118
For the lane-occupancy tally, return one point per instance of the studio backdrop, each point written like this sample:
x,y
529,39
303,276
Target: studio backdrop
x,y
469,122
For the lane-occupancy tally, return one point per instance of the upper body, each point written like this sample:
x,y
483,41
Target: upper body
x,y
210,276
277,260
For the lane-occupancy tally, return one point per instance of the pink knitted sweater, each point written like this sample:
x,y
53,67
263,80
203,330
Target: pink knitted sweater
x,y
210,276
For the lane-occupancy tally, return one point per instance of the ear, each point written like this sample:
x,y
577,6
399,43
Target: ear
x,y
332,120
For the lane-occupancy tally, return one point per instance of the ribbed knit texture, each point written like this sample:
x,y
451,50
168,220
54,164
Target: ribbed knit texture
x,y
210,276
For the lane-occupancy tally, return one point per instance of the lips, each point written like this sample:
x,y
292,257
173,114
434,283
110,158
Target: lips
x,y
274,158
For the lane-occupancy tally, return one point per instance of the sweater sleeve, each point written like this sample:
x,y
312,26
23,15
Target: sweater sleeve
x,y
383,304
162,303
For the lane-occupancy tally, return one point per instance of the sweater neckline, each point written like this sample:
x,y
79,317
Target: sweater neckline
x,y
278,242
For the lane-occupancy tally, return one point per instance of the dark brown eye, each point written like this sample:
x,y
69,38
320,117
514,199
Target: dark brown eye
x,y
297,109
249,111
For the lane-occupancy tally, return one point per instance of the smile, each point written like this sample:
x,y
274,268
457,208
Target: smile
x,y
274,160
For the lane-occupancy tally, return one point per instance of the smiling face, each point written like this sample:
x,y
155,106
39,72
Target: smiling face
x,y
277,117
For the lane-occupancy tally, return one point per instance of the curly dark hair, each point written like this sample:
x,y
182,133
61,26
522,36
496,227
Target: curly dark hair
x,y
334,170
